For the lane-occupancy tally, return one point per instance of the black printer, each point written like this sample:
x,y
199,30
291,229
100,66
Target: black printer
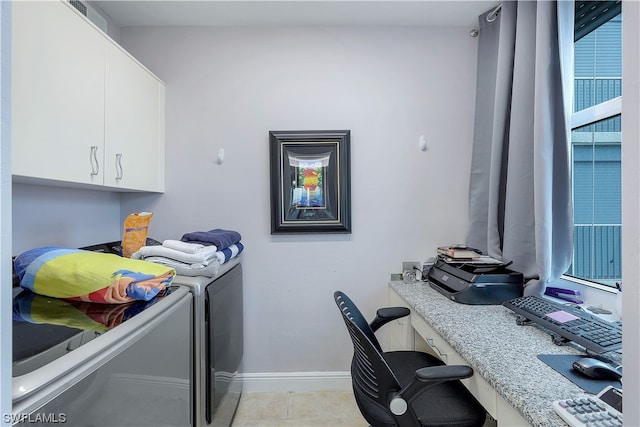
x,y
471,283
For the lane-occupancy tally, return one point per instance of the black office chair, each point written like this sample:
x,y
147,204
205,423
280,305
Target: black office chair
x,y
404,388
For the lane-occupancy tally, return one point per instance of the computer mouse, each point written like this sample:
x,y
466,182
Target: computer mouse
x,y
596,369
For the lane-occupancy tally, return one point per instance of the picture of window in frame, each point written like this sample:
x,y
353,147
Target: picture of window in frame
x,y
310,183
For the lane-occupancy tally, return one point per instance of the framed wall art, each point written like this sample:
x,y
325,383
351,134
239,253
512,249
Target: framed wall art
x,y
310,182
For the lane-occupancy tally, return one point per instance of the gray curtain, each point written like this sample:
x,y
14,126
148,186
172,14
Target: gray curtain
x,y
520,192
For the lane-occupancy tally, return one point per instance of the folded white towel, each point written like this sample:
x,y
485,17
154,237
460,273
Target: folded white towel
x,y
188,248
183,269
199,258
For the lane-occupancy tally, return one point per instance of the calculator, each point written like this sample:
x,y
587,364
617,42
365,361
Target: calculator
x,y
588,411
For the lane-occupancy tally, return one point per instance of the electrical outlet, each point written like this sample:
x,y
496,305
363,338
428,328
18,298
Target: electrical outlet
x,y
411,271
409,265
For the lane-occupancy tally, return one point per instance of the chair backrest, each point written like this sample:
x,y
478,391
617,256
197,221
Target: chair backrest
x,y
356,316
371,376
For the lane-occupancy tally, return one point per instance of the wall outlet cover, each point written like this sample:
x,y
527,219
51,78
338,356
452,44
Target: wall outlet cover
x,y
409,265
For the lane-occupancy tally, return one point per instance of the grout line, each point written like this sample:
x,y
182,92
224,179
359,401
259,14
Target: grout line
x,y
289,400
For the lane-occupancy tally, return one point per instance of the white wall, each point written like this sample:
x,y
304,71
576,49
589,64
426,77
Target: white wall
x,y
227,87
44,215
631,211
5,209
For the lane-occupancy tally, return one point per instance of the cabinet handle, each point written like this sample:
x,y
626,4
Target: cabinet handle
x,y
119,166
93,159
433,345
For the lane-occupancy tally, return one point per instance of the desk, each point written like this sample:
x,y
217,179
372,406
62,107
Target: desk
x,y
513,385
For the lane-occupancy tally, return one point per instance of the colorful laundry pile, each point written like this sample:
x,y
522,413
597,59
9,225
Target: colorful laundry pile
x,y
200,253
88,276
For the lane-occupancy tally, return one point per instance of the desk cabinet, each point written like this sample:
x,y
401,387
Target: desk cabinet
x,y
84,112
401,335
417,334
476,384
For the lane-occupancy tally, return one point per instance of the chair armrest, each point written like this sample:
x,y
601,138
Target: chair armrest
x,y
444,373
386,315
431,376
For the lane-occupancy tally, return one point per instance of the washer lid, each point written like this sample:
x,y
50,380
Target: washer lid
x,y
46,328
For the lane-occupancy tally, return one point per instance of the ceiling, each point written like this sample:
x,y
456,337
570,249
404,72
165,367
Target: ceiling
x,y
295,12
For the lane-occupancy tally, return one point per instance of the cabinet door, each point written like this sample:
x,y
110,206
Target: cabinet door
x,y
134,124
58,66
401,335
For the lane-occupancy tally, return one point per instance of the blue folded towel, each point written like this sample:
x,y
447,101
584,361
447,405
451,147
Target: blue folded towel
x,y
218,237
232,251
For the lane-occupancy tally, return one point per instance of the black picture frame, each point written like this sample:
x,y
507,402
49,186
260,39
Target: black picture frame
x,y
310,181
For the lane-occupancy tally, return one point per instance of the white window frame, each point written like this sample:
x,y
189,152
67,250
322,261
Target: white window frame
x,y
596,113
587,116
602,111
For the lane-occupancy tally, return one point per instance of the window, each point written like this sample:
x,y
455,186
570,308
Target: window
x,y
596,141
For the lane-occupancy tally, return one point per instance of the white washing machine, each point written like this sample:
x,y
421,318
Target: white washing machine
x,y
108,365
217,343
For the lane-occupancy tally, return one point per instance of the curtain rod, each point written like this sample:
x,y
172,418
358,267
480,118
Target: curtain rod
x,y
494,13
490,17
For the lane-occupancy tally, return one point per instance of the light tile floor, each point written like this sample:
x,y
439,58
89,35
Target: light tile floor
x,y
298,409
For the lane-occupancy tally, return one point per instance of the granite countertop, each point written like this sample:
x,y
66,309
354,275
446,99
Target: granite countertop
x,y
499,350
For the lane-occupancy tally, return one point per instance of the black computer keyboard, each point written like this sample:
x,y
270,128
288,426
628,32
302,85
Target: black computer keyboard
x,y
570,323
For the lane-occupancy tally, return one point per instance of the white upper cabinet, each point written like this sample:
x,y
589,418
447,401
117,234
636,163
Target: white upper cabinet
x,y
84,111
58,64
134,123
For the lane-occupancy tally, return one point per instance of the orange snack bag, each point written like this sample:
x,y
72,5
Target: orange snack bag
x,y
136,227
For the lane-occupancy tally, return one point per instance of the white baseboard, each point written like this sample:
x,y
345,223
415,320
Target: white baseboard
x,y
295,381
